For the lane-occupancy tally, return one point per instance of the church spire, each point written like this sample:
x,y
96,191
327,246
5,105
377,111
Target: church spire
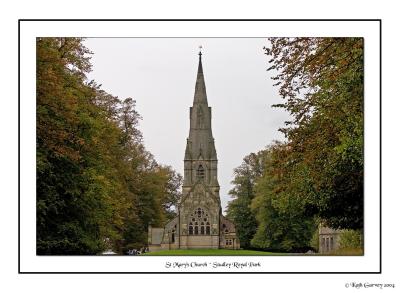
x,y
200,69
200,148
200,95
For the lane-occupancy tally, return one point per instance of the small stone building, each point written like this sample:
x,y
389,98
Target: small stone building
x,y
200,223
329,239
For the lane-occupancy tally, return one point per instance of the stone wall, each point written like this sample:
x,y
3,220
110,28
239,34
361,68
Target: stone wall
x,y
199,241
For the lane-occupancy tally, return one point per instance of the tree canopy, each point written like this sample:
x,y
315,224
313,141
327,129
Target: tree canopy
x,y
243,193
97,186
316,175
321,82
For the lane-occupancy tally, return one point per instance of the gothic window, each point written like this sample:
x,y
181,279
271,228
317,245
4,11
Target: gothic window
x,y
173,236
200,172
190,228
331,242
228,242
199,224
208,228
323,244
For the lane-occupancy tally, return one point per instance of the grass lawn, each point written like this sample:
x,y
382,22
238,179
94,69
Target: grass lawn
x,y
211,252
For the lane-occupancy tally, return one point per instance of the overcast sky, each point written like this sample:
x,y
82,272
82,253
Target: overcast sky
x,y
160,75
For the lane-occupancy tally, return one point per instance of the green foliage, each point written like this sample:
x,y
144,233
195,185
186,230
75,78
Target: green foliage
x,y
318,172
283,223
172,191
96,184
238,209
67,201
314,243
321,81
266,209
239,212
350,239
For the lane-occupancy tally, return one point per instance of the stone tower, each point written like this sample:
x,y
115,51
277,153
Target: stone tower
x,y
200,223
200,208
200,160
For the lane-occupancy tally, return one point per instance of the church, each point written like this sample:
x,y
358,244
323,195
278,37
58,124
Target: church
x,y
199,223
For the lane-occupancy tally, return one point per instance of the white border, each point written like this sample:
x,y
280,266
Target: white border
x,y
30,30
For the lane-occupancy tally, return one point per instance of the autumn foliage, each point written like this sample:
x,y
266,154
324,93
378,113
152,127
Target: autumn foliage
x,y
97,186
316,175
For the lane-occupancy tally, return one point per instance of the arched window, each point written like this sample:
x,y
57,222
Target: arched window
x,y
199,224
173,236
202,230
190,228
200,172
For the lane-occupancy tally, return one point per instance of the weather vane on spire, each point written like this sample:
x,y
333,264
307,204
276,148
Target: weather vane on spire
x,y
200,48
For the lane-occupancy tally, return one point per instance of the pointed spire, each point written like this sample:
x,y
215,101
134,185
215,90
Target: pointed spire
x,y
200,95
200,145
200,69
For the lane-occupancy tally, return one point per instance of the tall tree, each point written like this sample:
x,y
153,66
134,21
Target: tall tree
x,y
321,82
173,192
97,186
238,209
283,223
70,210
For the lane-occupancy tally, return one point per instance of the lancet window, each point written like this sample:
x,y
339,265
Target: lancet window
x,y
200,172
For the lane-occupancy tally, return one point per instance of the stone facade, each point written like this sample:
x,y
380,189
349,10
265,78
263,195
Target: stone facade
x,y
200,223
329,239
